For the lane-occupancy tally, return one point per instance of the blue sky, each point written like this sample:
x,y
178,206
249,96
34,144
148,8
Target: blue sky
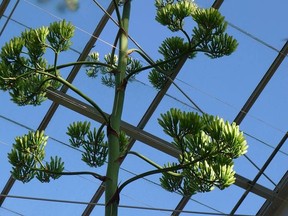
x,y
219,87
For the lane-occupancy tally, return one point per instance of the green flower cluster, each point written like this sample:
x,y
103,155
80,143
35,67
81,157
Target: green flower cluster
x,y
207,36
207,147
24,71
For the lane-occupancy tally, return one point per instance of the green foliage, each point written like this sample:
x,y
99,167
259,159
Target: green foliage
x,y
173,13
60,34
158,80
92,70
24,72
108,73
208,146
210,33
170,182
95,148
132,65
123,142
208,36
30,38
92,142
169,49
53,170
27,156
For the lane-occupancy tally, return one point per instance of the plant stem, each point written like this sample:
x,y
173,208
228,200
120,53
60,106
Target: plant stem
x,y
151,162
76,90
113,129
95,175
78,63
89,100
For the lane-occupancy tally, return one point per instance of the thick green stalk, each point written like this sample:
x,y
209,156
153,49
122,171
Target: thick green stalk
x,y
113,130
